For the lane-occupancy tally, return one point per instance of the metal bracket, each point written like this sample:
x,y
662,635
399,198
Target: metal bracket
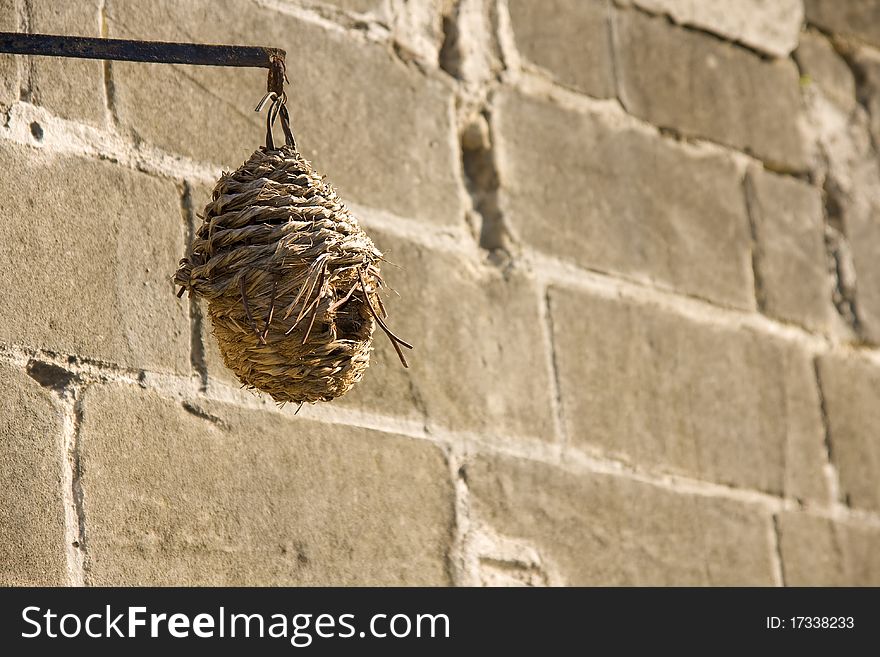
x,y
126,50
163,52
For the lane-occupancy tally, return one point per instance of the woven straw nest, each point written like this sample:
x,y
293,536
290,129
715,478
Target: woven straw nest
x,y
290,278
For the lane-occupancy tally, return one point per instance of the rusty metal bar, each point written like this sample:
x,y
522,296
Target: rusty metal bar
x,y
126,50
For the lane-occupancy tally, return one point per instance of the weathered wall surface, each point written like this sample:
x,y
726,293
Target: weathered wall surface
x,y
638,249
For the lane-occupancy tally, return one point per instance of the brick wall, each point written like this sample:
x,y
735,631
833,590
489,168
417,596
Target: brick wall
x,y
637,247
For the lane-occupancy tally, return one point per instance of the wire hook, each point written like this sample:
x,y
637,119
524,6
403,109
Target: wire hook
x,y
278,97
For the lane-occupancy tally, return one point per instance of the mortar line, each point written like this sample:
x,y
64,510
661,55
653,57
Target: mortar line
x,y
360,26
613,38
507,50
110,112
78,492
776,551
25,16
459,558
545,316
832,476
752,214
65,137
450,239
71,487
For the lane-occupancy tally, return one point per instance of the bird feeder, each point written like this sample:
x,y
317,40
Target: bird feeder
x,y
291,280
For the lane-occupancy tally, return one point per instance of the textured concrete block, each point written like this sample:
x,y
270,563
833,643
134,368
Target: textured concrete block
x,y
849,386
851,18
605,196
792,270
381,131
32,548
87,255
9,64
825,68
592,529
477,364
213,495
693,83
569,38
821,552
657,389
70,88
771,26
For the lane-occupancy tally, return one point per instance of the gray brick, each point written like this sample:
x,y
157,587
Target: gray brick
x,y
87,257
790,230
771,26
693,83
70,88
821,552
382,132
849,386
593,529
473,368
32,513
660,390
255,498
568,188
826,69
569,38
852,18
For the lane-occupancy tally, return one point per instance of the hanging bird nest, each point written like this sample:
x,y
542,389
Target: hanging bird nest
x,y
291,280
